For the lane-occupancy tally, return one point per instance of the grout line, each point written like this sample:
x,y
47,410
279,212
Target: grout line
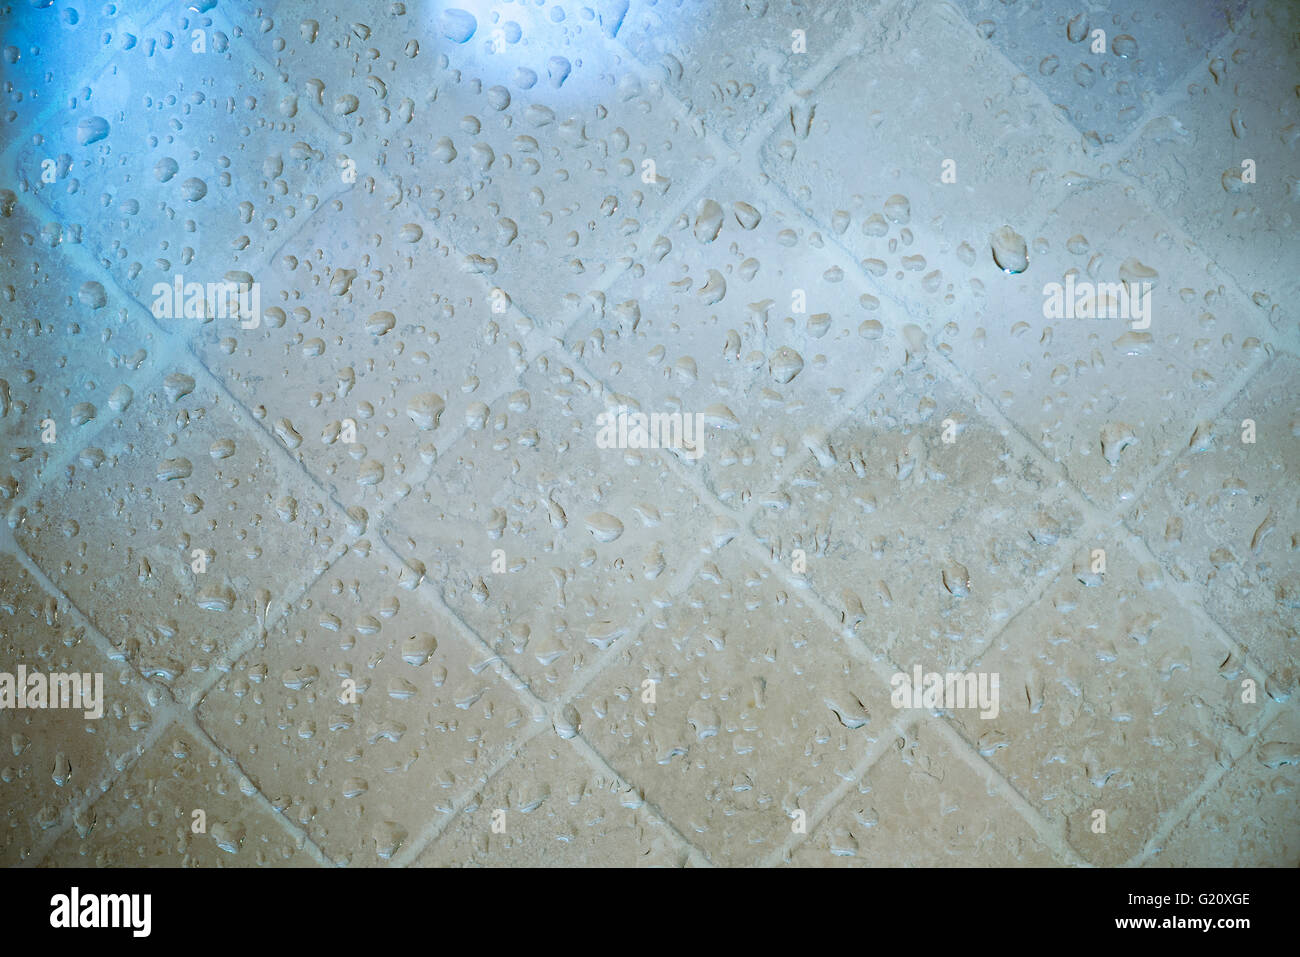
x,y
189,721
1094,516
163,719
601,765
901,726
154,12
98,640
1053,837
434,828
1187,807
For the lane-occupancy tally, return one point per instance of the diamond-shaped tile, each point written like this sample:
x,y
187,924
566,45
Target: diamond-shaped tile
x,y
47,48
179,527
525,146
1112,698
73,347
921,805
363,715
747,314
731,67
149,817
548,808
759,711
919,520
915,151
1109,398
372,346
58,757
1192,159
1104,82
182,163
549,546
1249,820
1225,519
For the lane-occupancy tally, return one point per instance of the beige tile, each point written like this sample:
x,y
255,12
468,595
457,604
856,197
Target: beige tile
x,y
364,715
865,151
695,53
182,470
550,547
360,365
57,760
1189,157
1114,697
1106,399
920,521
750,314
73,351
473,229
1225,520
549,808
759,710
921,805
1249,820
148,819
537,182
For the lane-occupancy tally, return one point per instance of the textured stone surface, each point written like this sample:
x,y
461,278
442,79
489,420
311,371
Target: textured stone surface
x,y
369,584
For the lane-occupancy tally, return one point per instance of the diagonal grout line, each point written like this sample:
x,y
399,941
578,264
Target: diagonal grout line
x,y
677,587
260,629
138,379
162,715
98,640
171,711
884,669
798,462
1185,808
1213,407
1098,519
1061,558
189,721
599,763
1177,94
171,356
610,280
1192,600
516,682
746,514
775,111
154,11
164,718
173,342
434,828
731,155
1053,837
541,711
1011,70
901,726
539,707
176,345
